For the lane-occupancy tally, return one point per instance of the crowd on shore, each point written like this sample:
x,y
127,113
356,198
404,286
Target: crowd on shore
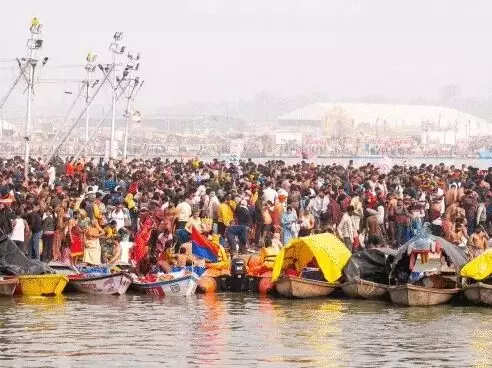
x,y
217,145
83,210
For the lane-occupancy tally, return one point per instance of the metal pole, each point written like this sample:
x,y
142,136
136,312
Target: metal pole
x,y
28,113
127,114
88,106
113,108
137,85
101,122
80,116
67,117
7,95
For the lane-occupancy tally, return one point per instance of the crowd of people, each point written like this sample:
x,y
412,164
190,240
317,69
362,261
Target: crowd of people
x,y
82,211
216,145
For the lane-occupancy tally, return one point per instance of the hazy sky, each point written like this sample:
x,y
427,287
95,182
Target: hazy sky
x,y
224,50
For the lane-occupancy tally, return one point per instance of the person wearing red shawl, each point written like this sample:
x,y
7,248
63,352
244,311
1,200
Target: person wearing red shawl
x,y
69,169
140,248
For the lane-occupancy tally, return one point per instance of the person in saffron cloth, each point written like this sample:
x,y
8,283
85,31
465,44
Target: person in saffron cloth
x,y
75,234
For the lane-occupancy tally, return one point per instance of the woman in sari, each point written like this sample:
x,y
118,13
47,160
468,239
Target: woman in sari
x,y
75,234
92,250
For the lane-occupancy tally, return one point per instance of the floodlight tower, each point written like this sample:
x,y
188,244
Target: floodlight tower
x,y
134,84
90,67
117,51
34,43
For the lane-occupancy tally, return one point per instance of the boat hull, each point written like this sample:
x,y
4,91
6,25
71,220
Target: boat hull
x,y
418,296
479,293
183,285
8,286
113,284
364,289
297,287
41,285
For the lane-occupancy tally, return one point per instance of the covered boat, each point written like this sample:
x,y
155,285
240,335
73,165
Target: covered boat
x,y
477,280
102,284
34,277
310,266
367,272
425,287
182,283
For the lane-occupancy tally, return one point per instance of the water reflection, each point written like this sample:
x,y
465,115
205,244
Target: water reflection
x,y
226,330
209,340
326,333
481,341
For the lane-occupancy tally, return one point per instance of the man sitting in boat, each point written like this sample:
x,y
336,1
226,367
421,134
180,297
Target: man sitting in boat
x,y
183,259
115,255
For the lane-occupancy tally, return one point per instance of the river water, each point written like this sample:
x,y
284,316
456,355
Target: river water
x,y
238,330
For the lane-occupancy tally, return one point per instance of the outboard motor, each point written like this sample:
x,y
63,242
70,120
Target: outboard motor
x,y
237,280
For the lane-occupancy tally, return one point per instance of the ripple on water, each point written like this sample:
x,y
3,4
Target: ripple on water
x,y
222,330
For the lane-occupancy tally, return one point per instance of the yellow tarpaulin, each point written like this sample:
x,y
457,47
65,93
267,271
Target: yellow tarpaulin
x,y
330,253
478,268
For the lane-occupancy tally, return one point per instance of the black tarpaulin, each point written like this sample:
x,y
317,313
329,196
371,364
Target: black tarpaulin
x,y
370,264
14,262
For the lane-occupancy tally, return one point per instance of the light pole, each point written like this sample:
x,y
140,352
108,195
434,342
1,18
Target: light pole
x,y
89,67
133,84
34,43
116,50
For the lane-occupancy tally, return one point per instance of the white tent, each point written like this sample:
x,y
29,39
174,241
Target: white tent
x,y
391,116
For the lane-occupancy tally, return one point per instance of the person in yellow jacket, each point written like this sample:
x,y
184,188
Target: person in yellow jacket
x,y
130,203
225,215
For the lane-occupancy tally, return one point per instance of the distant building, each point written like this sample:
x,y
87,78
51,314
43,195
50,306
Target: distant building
x,y
433,124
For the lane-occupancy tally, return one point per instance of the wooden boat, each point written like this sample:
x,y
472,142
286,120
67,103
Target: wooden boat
x,y
299,287
181,283
364,289
112,284
479,293
7,286
419,296
41,285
